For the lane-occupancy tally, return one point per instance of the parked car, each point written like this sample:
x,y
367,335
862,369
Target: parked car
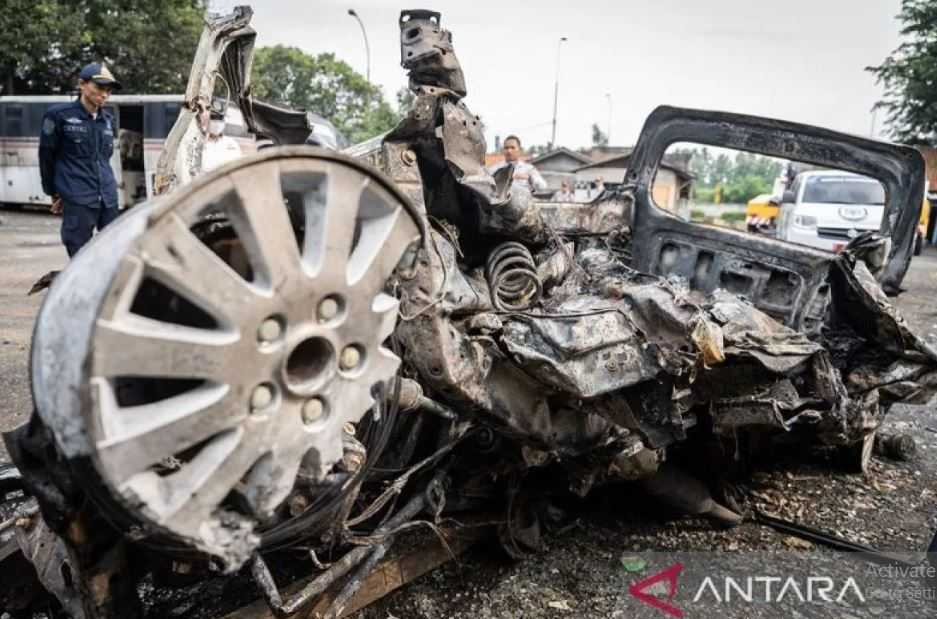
x,y
828,208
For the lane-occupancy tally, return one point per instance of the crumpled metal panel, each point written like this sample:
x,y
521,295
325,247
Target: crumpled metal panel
x,y
598,218
868,310
580,348
748,332
463,139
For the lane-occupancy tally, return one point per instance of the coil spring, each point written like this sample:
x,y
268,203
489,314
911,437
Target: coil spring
x,y
512,277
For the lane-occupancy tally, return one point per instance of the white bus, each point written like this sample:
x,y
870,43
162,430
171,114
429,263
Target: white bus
x,y
143,123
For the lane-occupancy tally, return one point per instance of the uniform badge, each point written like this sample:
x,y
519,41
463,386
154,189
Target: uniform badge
x,y
105,73
48,126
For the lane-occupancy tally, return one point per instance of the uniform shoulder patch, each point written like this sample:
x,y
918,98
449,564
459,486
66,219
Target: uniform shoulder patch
x,y
48,126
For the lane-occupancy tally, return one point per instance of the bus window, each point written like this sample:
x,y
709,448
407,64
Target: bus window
x,y
13,123
159,117
170,113
34,115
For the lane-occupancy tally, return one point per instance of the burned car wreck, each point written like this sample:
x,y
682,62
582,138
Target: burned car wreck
x,y
296,357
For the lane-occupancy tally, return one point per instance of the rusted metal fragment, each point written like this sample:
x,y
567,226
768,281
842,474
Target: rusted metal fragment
x,y
750,333
709,340
772,408
426,51
581,348
463,140
599,218
389,575
866,307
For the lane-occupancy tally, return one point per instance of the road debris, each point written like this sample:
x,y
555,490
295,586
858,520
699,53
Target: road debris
x,y
901,447
633,563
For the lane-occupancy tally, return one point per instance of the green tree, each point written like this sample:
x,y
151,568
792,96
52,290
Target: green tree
x,y
405,99
739,178
743,189
909,75
721,169
148,45
325,85
598,136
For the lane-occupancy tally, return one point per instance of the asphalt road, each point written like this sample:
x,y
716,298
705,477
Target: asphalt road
x,y
580,573
29,248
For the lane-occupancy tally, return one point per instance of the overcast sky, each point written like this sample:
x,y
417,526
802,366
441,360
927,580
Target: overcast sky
x,y
799,60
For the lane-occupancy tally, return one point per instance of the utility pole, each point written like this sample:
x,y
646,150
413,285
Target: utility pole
x,y
556,90
608,128
367,48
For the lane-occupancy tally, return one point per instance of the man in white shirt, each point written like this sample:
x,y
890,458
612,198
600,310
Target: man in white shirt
x,y
525,174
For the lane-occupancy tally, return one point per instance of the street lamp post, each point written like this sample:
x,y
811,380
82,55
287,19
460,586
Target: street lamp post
x,y
556,90
367,48
608,128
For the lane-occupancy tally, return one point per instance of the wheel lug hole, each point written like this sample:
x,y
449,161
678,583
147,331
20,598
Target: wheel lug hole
x,y
330,308
270,330
262,397
351,358
314,409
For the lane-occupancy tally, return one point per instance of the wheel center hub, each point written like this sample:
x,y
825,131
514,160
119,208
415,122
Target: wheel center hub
x,y
310,364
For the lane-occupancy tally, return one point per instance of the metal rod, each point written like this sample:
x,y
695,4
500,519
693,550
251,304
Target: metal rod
x,y
367,48
832,541
432,406
285,608
354,583
608,127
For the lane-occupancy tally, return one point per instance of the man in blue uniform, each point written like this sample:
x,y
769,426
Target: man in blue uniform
x,y
75,147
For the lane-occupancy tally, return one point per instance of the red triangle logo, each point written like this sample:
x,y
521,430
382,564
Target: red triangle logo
x,y
670,575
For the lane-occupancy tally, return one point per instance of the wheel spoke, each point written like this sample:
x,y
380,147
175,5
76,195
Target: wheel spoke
x,y
136,346
330,231
262,222
137,437
179,260
207,479
385,306
380,246
352,397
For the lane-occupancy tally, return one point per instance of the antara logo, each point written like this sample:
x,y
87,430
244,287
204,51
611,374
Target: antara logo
x,y
644,590
660,589
769,589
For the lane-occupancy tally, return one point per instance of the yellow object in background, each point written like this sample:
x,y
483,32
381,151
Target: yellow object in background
x,y
761,207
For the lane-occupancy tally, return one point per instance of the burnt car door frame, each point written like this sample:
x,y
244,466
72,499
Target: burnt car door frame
x,y
764,269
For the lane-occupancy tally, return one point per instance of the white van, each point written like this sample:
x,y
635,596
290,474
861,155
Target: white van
x,y
828,208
